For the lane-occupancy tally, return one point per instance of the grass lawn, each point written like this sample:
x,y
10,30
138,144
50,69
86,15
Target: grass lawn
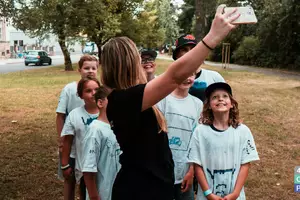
x,y
270,107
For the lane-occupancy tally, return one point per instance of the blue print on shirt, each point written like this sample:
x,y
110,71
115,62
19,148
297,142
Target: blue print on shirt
x,y
180,129
220,181
88,121
175,141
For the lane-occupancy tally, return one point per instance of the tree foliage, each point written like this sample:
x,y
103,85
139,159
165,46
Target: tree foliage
x,y
274,40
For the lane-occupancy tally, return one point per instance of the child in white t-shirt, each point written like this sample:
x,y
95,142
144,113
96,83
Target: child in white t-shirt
x,y
101,153
68,100
221,148
182,112
75,127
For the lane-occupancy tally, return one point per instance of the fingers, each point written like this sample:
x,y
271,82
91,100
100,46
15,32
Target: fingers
x,y
220,9
230,13
233,17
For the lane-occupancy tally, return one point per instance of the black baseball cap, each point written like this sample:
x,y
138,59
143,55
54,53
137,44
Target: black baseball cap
x,y
219,85
183,40
149,52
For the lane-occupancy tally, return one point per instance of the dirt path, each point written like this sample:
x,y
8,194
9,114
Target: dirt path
x,y
267,71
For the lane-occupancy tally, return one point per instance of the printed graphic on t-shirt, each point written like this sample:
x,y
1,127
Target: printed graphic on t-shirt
x,y
222,181
198,89
88,120
180,134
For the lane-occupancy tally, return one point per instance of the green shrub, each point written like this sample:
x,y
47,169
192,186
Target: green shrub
x,y
247,52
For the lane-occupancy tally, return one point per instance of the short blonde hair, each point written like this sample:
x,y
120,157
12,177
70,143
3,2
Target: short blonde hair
x,y
87,57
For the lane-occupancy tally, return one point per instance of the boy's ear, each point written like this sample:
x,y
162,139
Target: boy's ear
x,y
100,103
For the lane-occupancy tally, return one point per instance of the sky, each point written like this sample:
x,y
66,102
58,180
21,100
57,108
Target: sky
x,y
178,2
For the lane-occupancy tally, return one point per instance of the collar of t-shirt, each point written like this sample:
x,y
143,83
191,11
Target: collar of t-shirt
x,y
215,129
198,74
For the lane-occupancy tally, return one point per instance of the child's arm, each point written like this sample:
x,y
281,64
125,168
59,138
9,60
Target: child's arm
x,y
66,149
90,182
60,120
188,179
203,183
241,179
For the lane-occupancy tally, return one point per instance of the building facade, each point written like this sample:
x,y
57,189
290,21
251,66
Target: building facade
x,y
4,42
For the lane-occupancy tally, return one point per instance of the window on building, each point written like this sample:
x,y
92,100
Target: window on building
x,y
21,43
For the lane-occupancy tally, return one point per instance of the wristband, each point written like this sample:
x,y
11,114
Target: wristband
x,y
65,167
207,45
207,192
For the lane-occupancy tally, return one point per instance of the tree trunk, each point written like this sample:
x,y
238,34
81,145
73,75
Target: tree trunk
x,y
200,19
99,45
64,49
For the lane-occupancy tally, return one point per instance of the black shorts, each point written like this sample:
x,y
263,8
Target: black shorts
x,y
134,185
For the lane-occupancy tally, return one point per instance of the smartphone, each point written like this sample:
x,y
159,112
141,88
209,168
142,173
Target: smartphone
x,y
247,15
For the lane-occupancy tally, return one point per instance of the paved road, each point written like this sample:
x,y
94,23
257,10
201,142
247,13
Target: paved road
x,y
20,66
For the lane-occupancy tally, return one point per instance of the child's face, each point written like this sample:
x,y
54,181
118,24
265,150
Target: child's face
x,y
148,64
185,85
89,91
89,68
220,101
183,50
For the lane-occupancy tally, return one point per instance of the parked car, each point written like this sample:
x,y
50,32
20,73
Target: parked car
x,y
37,57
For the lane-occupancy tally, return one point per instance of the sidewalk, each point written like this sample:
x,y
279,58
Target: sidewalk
x,y
21,60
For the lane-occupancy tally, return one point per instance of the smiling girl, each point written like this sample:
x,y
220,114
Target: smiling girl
x,y
222,148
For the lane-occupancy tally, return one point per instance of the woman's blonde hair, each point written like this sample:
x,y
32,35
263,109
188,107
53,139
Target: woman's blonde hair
x,y
121,69
207,116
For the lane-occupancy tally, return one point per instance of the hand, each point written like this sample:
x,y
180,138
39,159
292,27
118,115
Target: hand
x,y
221,26
187,182
231,196
68,173
214,197
60,144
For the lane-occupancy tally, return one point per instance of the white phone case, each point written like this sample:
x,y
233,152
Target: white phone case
x,y
247,15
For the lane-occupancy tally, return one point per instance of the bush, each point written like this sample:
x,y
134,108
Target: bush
x,y
247,52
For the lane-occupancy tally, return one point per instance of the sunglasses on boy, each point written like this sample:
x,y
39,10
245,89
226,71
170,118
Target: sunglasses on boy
x,y
147,60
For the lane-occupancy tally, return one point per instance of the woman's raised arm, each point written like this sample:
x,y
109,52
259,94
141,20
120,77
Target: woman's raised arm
x,y
182,68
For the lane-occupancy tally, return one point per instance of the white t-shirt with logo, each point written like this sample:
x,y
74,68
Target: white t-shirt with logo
x,y
221,155
101,153
68,99
206,78
76,124
182,117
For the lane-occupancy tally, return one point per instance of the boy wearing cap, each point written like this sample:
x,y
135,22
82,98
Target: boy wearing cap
x,y
148,63
182,112
204,77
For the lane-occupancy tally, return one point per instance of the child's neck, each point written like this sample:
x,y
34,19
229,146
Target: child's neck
x,y
221,121
150,77
102,116
92,109
180,93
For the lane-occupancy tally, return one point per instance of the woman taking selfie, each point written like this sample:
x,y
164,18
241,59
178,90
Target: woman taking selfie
x,y
147,165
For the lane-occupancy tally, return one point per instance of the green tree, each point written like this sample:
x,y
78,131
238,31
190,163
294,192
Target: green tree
x,y
41,18
167,18
186,17
102,19
6,8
